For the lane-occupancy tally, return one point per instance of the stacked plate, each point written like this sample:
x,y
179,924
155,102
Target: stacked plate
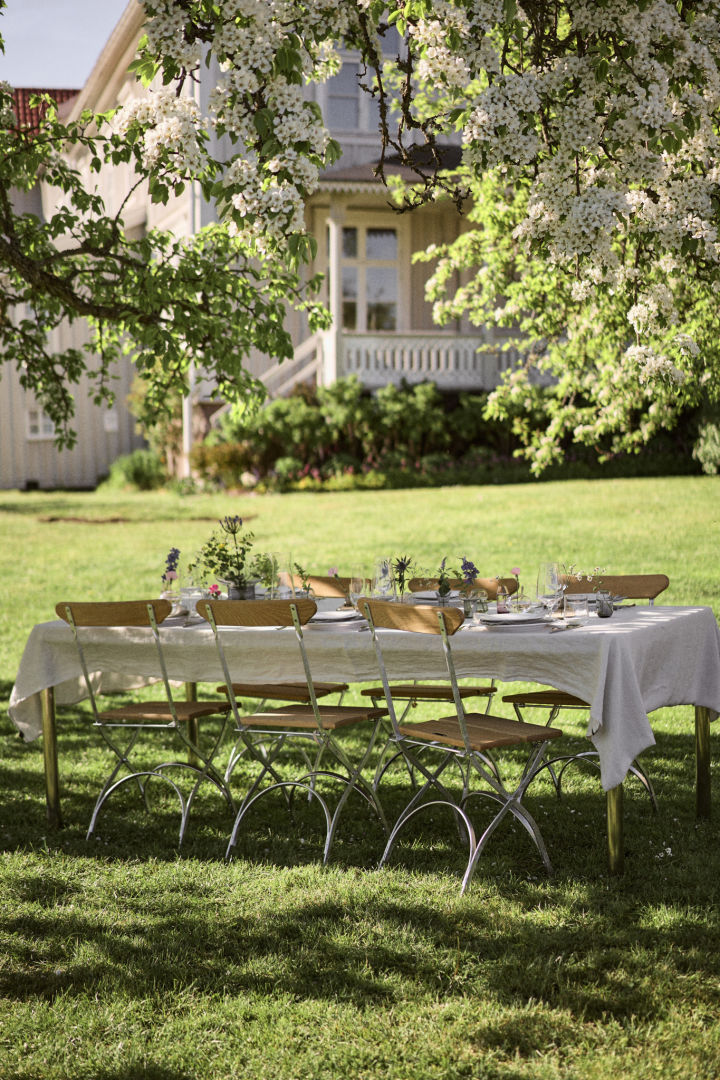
x,y
338,616
513,620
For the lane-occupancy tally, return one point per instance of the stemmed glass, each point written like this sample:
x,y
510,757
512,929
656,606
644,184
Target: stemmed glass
x,y
549,589
357,586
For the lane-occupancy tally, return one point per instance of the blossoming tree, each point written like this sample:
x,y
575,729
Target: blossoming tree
x,y
590,137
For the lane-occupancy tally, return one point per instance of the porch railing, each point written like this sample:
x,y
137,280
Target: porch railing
x,y
452,361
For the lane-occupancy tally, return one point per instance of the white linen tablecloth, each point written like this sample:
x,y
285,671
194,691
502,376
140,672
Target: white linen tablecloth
x,y
639,660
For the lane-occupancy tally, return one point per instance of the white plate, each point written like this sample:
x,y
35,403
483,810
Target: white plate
x,y
338,615
431,594
513,618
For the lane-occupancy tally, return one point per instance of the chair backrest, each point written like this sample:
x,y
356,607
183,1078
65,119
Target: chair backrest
x,y
113,613
419,619
222,614
324,585
256,612
633,586
148,613
490,585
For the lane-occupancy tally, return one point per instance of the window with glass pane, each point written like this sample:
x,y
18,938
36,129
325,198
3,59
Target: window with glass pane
x,y
349,298
350,243
38,425
381,244
343,106
381,286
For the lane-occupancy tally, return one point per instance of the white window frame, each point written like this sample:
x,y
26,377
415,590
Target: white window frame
x,y
38,426
362,222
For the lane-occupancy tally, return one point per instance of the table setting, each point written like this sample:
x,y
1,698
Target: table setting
x,y
625,660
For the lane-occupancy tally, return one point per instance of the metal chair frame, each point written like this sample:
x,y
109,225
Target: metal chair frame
x,y
172,716
463,737
314,734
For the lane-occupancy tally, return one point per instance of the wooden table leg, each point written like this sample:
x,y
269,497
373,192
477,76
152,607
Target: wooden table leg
x,y
615,839
50,757
193,725
702,762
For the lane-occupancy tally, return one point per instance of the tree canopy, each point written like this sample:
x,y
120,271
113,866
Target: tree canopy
x,y
590,167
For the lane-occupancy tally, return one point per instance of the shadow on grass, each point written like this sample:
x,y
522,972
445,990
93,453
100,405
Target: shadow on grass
x,y
127,915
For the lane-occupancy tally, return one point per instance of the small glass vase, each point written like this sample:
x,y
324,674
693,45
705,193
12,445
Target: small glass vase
x,y
240,592
604,605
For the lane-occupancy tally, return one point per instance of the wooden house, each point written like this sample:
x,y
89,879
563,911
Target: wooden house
x,y
382,325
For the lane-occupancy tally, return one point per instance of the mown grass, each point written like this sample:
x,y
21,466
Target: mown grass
x,y
121,958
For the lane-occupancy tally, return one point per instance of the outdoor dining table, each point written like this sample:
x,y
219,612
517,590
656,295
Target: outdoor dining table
x,y
625,667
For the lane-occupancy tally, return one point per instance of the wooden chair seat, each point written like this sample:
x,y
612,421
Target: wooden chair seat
x,y
485,732
283,691
303,718
159,711
421,692
547,698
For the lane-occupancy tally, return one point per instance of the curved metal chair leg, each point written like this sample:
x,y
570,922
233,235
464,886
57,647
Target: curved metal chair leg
x,y
260,794
105,794
406,816
521,814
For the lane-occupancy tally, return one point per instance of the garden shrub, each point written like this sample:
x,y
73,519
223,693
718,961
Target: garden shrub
x,y
342,438
707,447
142,469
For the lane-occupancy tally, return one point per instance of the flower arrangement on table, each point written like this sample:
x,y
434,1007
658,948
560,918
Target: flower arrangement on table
x,y
227,555
170,574
401,568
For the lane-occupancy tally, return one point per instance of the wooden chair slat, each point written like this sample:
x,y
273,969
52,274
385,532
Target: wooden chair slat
x,y
490,585
633,586
113,612
420,618
256,612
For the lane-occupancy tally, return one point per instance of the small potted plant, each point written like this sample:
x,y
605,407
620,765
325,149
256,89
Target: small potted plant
x,y
227,556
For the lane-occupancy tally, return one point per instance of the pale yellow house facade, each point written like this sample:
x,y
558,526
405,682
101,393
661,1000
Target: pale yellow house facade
x,y
382,325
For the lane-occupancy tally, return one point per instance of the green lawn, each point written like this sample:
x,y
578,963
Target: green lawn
x,y
122,959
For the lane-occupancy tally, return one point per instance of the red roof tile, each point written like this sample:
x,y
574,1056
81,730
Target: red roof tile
x,y
28,119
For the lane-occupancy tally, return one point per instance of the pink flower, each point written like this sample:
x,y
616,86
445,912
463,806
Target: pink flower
x,y
214,591
515,570
171,575
333,571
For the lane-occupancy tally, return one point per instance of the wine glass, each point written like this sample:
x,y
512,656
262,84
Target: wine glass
x,y
357,586
549,589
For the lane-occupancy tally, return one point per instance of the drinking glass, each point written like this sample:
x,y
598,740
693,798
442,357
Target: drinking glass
x,y
575,607
357,586
548,580
383,579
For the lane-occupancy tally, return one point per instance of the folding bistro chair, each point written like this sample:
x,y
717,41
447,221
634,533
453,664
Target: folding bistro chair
x,y
179,718
462,736
328,586
311,726
629,587
417,691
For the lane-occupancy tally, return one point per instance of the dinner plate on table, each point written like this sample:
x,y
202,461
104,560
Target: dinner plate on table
x,y
339,615
513,620
431,595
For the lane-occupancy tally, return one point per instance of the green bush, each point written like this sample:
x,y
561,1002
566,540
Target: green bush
x,y
142,469
342,438
707,447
